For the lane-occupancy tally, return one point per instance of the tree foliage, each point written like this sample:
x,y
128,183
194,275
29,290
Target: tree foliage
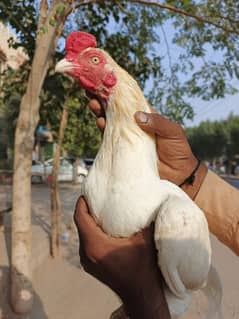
x,y
176,51
82,137
213,139
11,91
22,17
81,131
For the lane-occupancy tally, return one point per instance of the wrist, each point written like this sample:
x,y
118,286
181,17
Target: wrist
x,y
148,302
191,189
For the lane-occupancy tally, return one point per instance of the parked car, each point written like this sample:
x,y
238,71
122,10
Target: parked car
x,y
88,162
41,171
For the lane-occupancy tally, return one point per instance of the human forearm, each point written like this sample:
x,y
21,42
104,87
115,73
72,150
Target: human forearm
x,y
199,176
148,302
220,203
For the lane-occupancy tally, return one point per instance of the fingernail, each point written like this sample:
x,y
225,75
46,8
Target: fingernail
x,y
142,117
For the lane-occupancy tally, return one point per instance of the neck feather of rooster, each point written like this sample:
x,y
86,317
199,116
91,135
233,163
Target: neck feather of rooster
x,y
123,140
126,99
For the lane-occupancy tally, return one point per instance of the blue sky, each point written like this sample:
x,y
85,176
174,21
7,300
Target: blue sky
x,y
214,109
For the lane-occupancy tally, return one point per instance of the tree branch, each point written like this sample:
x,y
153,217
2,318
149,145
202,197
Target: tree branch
x,y
222,17
169,55
80,4
122,8
42,14
87,2
185,13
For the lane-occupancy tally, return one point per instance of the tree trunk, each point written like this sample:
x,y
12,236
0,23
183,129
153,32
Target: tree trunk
x,y
21,277
56,212
75,170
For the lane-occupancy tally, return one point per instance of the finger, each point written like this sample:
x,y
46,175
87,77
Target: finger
x,y
155,123
145,235
96,108
100,122
85,223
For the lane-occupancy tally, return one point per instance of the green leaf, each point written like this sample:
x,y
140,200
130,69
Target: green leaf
x,y
60,9
52,21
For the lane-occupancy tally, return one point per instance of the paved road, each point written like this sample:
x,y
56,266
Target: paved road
x,y
41,207
233,182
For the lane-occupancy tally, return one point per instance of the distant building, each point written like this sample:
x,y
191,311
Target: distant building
x,y
9,57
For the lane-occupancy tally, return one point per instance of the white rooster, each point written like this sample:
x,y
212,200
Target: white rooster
x,y
123,188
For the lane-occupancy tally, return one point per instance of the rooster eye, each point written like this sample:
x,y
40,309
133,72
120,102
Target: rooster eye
x,y
95,60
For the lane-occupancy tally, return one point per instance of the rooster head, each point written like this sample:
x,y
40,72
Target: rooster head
x,y
87,64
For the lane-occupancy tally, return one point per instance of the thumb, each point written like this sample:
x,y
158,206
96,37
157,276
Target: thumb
x,y
81,216
87,228
155,123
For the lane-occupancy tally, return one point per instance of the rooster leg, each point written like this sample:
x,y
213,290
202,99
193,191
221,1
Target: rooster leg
x,y
119,313
184,252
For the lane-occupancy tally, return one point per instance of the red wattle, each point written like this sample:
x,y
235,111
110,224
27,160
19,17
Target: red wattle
x,y
109,80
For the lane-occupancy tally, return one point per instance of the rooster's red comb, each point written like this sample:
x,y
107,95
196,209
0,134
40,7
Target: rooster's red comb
x,y
79,41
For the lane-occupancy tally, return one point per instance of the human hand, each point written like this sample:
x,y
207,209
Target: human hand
x,y
176,160
127,265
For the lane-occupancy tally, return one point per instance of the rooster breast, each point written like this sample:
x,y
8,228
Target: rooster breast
x,y
123,190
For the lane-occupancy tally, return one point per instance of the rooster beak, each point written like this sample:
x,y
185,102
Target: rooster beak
x,y
63,66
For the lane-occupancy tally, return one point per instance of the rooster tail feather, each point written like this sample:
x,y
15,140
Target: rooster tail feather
x,y
213,292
